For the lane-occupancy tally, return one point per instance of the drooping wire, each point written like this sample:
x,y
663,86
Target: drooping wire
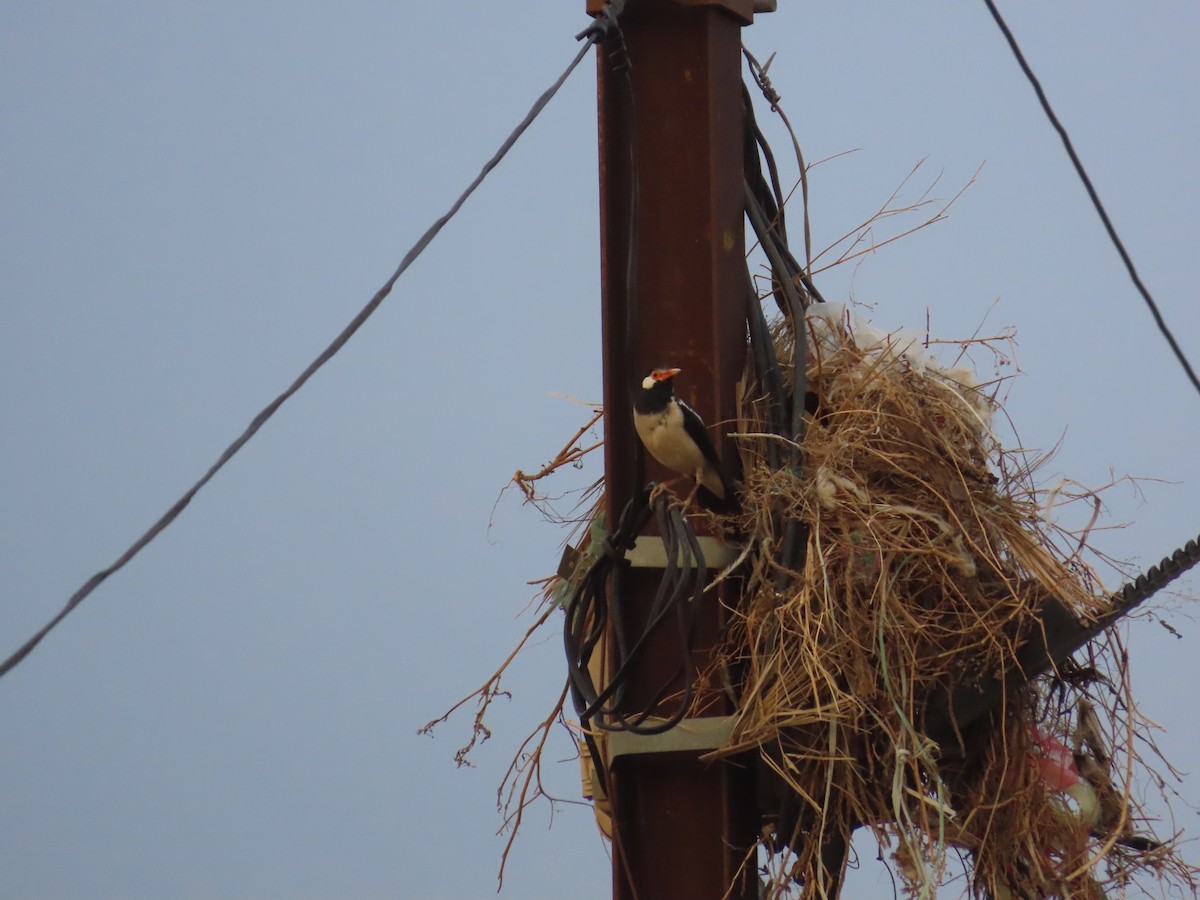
x,y
759,71
1095,197
777,407
769,197
600,29
597,601
787,275
756,151
622,67
793,290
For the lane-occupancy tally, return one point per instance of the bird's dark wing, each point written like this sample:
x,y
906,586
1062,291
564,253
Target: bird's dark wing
x,y
694,426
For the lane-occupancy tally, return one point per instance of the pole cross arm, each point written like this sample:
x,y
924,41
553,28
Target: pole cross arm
x,y
1054,637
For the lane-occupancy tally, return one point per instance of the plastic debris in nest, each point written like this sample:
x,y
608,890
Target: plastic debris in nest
x,y
927,561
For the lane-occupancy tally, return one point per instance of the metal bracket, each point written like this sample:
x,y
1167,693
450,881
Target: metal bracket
x,y
693,735
649,553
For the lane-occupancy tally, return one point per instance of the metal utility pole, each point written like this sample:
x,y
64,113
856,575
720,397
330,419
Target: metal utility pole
x,y
671,174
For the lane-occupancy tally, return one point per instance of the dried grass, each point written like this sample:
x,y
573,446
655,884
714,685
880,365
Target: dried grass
x,y
927,555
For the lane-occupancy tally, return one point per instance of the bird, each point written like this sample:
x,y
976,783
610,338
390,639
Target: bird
x,y
674,434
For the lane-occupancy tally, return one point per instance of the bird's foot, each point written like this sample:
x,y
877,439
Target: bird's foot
x,y
662,487
687,503
666,487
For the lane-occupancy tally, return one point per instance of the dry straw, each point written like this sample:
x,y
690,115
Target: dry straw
x,y
928,558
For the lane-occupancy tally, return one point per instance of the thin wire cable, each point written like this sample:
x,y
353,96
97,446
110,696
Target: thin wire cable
x,y
1087,183
593,35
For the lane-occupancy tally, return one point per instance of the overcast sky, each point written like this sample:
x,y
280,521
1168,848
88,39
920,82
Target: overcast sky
x,y
195,198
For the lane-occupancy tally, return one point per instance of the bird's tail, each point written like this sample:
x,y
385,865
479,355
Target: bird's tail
x,y
724,506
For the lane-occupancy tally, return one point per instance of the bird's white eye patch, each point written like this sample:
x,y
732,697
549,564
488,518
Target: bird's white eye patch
x,y
658,376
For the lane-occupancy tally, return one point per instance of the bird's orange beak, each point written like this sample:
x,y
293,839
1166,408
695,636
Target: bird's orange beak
x,y
664,374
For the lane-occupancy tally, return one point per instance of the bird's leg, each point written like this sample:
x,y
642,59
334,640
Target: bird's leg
x,y
663,487
691,498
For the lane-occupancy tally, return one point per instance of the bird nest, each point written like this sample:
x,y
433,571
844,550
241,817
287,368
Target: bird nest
x,y
891,558
927,560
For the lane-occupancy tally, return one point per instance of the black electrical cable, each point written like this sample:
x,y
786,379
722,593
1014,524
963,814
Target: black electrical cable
x,y
671,598
1095,197
757,151
786,410
764,208
793,306
683,579
623,66
766,198
771,95
591,607
766,370
587,609
602,28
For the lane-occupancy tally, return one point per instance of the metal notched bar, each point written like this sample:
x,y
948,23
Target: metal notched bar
x,y
1055,636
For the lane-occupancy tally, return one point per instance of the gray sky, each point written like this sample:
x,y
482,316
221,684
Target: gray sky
x,y
194,198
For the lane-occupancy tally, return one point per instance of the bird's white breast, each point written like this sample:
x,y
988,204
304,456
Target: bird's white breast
x,y
667,440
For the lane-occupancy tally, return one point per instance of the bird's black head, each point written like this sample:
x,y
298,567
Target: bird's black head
x,y
657,390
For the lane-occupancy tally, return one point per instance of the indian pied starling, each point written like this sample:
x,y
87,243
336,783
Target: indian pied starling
x,y
674,434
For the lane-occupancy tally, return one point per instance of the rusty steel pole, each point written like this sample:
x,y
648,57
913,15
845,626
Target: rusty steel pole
x,y
684,828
